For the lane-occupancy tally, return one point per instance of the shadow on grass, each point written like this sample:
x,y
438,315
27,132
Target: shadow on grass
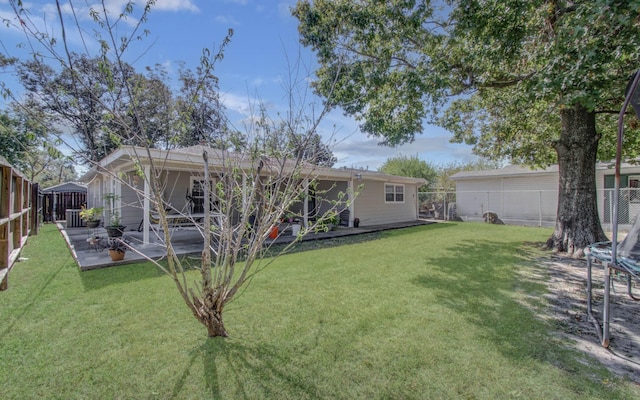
x,y
478,283
34,299
323,243
232,363
101,278
46,236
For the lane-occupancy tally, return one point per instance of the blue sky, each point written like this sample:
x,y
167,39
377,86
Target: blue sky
x,y
255,66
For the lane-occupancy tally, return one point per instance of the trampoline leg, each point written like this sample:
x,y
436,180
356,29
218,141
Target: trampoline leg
x,y
629,288
606,307
589,285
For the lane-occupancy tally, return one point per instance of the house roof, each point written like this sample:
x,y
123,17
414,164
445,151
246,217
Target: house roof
x,y
66,187
517,170
190,159
509,170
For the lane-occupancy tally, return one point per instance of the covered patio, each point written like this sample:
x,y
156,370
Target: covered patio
x,y
185,242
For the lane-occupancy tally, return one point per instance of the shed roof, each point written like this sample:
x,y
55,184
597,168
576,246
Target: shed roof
x,y
66,187
518,170
509,170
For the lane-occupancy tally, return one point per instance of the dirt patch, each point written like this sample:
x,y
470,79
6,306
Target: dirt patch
x,y
567,283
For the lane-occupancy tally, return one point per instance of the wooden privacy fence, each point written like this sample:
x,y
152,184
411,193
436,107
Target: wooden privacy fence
x,y
55,205
15,217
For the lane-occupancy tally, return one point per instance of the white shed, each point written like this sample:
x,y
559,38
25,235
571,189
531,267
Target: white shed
x,y
523,196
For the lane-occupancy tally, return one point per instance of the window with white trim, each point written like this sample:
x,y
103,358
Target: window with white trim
x,y
196,197
393,193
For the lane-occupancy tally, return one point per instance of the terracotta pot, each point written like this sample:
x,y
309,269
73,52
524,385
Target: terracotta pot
x,y
273,234
116,255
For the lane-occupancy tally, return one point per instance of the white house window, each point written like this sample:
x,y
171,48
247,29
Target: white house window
x,y
197,195
393,193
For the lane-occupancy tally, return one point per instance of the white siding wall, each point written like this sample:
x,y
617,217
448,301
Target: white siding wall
x,y
522,197
474,197
530,197
370,206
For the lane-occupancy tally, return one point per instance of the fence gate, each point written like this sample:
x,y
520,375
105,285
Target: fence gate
x,y
55,205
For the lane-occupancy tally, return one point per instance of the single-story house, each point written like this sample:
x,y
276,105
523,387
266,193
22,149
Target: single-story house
x,y
381,199
524,196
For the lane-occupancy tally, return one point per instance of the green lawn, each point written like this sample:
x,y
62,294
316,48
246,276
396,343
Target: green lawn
x,y
440,311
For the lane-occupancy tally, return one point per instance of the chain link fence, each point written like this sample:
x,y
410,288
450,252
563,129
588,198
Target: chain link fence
x,y
524,207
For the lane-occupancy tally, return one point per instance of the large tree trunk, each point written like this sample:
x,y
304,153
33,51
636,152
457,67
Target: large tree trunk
x,y
577,221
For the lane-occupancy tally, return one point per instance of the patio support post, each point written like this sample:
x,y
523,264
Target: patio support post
x,y
245,206
305,204
145,206
351,207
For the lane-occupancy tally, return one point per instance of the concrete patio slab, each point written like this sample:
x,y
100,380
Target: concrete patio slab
x,y
94,255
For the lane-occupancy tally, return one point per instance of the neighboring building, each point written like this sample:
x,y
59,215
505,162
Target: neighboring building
x,y
524,196
59,198
382,199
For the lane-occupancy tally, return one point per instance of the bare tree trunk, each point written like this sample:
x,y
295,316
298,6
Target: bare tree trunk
x,y
210,316
215,325
211,306
577,221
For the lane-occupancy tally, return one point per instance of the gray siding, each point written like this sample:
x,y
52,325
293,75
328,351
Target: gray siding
x,y
174,192
371,208
178,184
131,201
327,193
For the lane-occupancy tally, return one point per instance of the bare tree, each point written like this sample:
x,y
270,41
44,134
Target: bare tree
x,y
254,188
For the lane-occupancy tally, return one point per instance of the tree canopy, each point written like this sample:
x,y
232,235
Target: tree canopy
x,y
412,166
495,73
30,145
532,82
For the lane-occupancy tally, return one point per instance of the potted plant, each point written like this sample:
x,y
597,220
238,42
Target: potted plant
x,y
114,229
91,216
117,249
329,223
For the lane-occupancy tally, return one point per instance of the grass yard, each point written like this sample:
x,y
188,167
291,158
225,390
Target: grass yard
x,y
438,311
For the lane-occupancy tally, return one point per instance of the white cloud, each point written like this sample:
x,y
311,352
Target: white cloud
x,y
176,5
226,20
241,2
284,9
236,103
433,147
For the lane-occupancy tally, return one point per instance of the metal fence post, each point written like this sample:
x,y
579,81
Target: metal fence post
x,y
540,208
488,205
610,210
